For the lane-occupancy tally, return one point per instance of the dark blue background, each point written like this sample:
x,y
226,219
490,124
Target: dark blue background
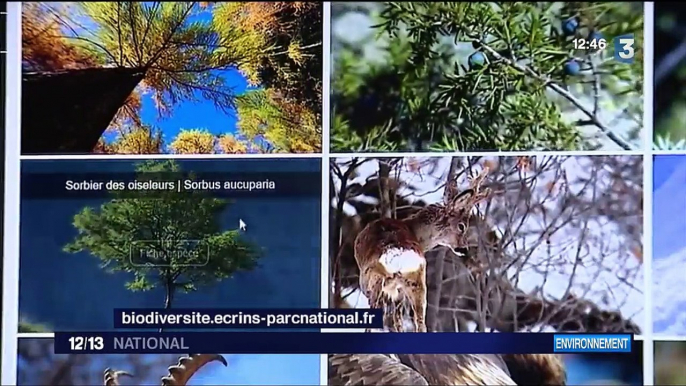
x,y
367,318
52,185
68,292
335,343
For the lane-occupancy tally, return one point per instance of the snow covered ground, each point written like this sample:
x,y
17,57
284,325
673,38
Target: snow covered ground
x,y
669,245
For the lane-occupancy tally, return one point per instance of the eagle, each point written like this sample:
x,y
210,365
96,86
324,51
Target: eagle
x,y
179,374
390,254
446,369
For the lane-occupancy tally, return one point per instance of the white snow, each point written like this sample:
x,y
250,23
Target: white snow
x,y
400,260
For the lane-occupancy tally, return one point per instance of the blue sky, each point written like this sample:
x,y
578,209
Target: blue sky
x,y
200,115
262,369
663,167
669,245
669,205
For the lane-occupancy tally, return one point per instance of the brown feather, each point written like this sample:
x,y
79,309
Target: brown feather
x,y
380,235
536,369
371,370
459,369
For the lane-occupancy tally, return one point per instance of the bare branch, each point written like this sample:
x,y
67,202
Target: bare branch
x,y
564,93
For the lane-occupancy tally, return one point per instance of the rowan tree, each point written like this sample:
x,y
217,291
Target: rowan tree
x,y
168,220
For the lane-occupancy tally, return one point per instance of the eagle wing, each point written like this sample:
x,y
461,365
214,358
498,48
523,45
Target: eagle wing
x,y
371,370
459,369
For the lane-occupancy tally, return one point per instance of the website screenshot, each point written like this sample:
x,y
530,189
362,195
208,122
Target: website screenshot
x,y
343,193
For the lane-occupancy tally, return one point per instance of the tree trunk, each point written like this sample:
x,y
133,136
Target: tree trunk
x,y
384,189
168,297
66,112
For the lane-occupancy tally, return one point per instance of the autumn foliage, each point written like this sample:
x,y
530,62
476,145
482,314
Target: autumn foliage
x,y
193,142
280,40
146,140
231,145
44,47
184,50
287,125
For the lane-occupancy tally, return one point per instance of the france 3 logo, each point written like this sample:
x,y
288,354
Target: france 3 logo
x,y
624,48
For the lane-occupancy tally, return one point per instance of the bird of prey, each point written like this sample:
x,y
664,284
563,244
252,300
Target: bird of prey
x,y
445,369
390,254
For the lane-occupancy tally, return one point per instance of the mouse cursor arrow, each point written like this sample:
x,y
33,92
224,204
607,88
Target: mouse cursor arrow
x,y
241,225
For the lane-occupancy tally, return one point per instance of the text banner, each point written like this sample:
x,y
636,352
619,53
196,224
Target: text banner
x,y
132,318
310,343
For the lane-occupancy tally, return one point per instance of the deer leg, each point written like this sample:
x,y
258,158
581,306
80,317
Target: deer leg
x,y
399,317
419,306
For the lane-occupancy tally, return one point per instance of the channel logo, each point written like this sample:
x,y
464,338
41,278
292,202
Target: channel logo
x,y
624,48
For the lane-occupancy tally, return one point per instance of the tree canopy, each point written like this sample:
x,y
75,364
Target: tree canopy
x,y
166,223
185,50
483,76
